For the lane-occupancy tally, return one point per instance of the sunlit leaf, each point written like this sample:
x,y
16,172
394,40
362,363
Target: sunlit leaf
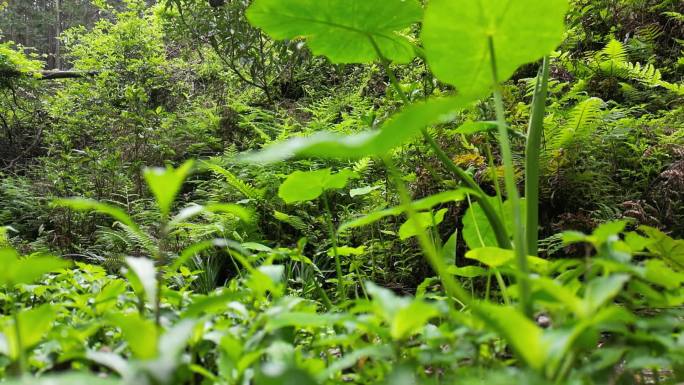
x,y
67,379
342,31
144,275
470,128
303,186
166,183
362,191
424,221
411,319
16,270
491,256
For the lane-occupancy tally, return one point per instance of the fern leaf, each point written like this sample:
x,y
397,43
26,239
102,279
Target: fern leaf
x,y
614,51
583,121
243,187
292,220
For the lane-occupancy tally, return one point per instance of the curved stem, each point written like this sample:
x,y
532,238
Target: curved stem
x,y
494,219
511,188
490,212
451,286
532,151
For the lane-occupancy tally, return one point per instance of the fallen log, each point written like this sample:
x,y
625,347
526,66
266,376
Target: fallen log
x,y
53,75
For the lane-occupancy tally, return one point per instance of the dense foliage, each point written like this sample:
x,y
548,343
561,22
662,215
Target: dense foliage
x,y
327,192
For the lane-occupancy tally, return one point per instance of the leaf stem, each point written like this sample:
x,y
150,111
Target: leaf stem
x,y
532,151
20,345
451,286
491,214
341,290
511,188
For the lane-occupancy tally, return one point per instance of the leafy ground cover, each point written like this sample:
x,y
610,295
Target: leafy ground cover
x,y
371,192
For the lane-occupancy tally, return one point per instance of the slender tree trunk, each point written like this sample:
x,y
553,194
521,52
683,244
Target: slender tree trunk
x,y
58,42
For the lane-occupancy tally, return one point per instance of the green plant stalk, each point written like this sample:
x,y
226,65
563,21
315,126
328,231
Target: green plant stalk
x,y
161,261
502,285
451,286
511,189
532,152
494,219
20,346
341,290
490,212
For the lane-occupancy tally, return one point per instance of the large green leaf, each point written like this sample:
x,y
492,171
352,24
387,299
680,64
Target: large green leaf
x,y
304,186
411,319
491,256
342,30
456,38
478,232
400,128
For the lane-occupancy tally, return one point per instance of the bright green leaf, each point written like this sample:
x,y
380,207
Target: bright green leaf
x,y
524,336
601,290
17,270
166,183
341,30
456,38
67,379
425,220
141,334
491,256
34,324
303,186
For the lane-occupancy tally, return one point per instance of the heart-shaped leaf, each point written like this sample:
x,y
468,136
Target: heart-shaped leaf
x,y
456,37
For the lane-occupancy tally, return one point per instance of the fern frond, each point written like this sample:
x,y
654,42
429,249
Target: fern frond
x,y
676,88
292,220
647,73
614,51
362,165
676,16
583,121
243,187
649,33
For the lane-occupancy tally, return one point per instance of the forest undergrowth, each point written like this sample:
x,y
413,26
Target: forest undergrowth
x,y
303,192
